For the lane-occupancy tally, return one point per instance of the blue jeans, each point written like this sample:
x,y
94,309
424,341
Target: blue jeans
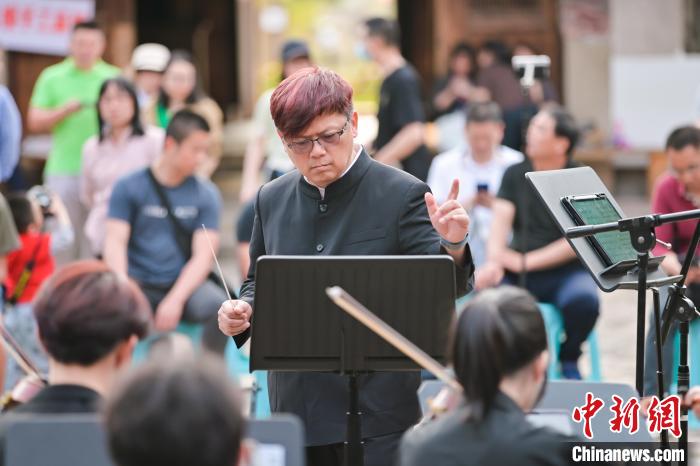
x,y
572,290
20,322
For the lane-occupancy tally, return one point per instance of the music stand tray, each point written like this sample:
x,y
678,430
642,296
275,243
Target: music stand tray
x,y
553,185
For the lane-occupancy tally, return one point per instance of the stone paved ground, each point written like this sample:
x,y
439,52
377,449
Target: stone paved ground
x,y
616,326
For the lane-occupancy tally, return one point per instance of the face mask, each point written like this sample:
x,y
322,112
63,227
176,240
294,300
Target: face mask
x,y
361,51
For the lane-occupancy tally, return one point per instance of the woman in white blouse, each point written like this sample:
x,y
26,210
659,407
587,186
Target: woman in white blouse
x,y
122,146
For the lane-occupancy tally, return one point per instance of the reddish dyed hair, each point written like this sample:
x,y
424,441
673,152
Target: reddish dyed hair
x,y
307,94
85,310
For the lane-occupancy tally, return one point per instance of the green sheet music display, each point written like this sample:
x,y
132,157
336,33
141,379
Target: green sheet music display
x,y
613,246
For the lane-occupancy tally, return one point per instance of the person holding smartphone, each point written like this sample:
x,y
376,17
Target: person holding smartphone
x,y
538,257
479,165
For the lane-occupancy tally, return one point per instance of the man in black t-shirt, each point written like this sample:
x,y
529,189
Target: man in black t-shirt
x,y
401,118
554,274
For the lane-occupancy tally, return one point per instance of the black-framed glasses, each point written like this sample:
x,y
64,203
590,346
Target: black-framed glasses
x,y
305,146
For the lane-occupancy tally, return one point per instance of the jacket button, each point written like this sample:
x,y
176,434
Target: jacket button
x,y
319,247
323,207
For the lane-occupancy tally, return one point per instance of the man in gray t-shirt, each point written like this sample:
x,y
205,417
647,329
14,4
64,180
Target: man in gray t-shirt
x,y
170,263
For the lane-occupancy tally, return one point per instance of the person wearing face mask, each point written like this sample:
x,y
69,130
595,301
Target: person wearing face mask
x,y
110,314
181,89
500,357
122,146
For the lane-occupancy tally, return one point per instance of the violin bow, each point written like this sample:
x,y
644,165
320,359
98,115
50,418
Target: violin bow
x,y
16,352
345,301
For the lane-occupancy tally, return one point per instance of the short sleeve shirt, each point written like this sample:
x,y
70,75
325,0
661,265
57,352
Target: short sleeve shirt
x,y
277,158
9,240
533,227
154,256
57,85
399,105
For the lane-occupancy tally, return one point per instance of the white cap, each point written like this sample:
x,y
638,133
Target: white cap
x,y
150,57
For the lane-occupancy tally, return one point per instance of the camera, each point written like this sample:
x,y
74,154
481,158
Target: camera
x,y
42,196
482,187
531,67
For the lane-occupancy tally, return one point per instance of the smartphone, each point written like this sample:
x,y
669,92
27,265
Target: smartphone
x,y
482,187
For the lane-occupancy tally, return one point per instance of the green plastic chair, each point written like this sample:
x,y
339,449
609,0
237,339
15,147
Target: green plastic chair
x,y
693,362
554,325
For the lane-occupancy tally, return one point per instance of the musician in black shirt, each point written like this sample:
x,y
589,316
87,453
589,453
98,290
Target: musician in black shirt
x,y
500,357
89,320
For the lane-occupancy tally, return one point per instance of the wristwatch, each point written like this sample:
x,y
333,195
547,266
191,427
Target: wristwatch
x,y
449,245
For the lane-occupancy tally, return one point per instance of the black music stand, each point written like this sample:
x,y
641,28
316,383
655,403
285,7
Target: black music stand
x,y
296,327
551,187
554,185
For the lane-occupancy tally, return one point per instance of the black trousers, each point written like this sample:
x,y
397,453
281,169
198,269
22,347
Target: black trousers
x,y
379,451
573,291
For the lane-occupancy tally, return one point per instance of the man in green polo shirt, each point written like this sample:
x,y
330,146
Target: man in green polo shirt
x,y
64,103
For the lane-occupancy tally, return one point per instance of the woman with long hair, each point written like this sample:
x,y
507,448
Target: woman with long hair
x,y
181,89
122,145
453,91
499,354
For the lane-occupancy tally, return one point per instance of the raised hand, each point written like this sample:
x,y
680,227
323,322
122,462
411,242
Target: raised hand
x,y
450,219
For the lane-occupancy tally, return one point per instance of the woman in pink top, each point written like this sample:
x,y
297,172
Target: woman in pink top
x,y
122,146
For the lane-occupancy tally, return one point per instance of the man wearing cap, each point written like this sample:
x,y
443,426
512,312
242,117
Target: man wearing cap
x,y
148,62
265,151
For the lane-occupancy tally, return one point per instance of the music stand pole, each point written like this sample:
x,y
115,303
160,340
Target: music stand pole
x,y
642,259
641,230
659,359
353,452
681,308
643,238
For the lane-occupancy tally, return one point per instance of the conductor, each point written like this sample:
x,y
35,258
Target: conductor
x,y
339,201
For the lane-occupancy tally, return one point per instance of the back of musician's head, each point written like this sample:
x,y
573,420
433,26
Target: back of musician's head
x,y
85,310
498,333
180,412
